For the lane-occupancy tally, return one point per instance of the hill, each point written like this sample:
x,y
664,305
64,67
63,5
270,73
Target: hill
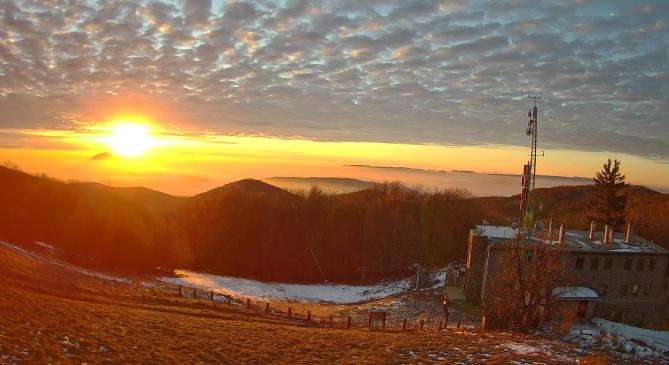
x,y
255,230
647,210
92,223
329,184
63,314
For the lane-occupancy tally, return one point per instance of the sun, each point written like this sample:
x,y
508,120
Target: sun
x,y
130,139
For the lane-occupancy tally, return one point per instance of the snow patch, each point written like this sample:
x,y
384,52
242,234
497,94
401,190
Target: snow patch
x,y
521,348
333,293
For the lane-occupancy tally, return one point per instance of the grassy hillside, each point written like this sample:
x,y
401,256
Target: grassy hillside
x,y
92,223
61,316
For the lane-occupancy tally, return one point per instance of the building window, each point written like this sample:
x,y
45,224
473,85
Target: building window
x,y
635,290
579,263
628,264
603,289
608,263
639,264
651,265
594,263
647,289
623,290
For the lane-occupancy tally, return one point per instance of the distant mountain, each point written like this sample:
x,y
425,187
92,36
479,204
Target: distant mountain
x,y
156,201
330,184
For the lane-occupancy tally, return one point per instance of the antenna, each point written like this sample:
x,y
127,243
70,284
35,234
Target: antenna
x,y
527,201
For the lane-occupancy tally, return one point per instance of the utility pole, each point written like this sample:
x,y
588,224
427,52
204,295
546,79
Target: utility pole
x,y
417,268
527,199
363,269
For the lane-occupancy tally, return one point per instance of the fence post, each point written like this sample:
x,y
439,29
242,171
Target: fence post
x,y
229,298
404,325
267,307
180,291
421,324
330,320
439,325
290,312
349,322
369,325
194,293
458,324
248,303
384,320
211,295
308,316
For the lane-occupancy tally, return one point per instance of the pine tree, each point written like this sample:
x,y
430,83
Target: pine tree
x,y
608,203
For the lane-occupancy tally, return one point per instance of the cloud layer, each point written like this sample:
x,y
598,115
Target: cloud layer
x,y
447,72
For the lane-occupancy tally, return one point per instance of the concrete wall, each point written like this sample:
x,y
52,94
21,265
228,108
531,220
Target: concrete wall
x,y
476,253
647,308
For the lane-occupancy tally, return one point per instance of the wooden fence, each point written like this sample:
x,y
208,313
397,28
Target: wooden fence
x,y
375,319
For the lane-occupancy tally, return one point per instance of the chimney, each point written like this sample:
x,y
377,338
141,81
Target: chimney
x,y
606,234
592,230
561,236
550,229
630,232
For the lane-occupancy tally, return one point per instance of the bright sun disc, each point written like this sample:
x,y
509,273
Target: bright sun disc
x,y
130,139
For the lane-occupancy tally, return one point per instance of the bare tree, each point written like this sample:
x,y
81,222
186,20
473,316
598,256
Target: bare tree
x,y
521,290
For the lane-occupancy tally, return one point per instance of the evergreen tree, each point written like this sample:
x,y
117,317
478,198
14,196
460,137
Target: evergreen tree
x,y
608,203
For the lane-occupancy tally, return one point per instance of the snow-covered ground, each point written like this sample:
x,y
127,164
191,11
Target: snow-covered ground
x,y
623,338
333,293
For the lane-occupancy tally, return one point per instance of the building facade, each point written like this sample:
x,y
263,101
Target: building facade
x,y
629,274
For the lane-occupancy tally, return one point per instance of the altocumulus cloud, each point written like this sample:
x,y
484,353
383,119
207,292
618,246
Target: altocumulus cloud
x,y
447,72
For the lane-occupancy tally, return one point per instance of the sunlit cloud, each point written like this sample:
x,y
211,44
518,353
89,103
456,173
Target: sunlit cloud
x,y
418,73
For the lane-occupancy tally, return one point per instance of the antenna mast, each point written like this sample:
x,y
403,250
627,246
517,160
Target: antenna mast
x,y
527,201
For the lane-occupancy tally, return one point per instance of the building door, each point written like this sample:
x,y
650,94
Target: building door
x,y
582,308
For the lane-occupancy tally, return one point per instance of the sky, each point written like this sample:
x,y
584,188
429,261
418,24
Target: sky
x,y
236,89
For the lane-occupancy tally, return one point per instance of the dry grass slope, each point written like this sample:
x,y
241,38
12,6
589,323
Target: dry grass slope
x,y
49,314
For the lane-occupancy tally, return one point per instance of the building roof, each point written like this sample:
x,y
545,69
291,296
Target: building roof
x,y
575,293
496,231
578,241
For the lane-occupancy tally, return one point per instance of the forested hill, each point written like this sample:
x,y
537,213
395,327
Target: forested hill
x,y
253,229
647,210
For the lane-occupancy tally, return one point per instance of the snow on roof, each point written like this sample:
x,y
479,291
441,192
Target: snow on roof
x,y
575,292
496,231
578,241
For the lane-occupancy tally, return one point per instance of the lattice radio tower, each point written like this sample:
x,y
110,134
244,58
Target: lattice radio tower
x,y
527,201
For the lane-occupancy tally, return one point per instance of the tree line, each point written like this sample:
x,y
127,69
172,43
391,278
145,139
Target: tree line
x,y
248,228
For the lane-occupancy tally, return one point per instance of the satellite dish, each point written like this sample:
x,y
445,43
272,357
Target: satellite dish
x,y
514,225
529,131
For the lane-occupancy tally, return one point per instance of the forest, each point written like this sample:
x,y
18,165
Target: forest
x,y
247,228
255,230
